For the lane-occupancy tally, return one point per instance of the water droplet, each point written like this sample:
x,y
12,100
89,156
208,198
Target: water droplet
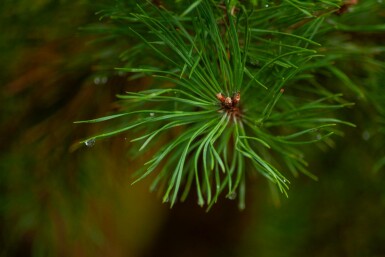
x,y
152,114
90,142
232,195
266,5
284,180
100,80
366,135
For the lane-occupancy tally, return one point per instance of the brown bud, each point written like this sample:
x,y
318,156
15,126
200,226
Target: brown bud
x,y
345,7
220,97
236,98
228,102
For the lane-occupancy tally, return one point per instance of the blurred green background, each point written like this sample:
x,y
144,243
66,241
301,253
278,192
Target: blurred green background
x,y
57,199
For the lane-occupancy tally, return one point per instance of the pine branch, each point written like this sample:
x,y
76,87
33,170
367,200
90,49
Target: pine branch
x,y
244,92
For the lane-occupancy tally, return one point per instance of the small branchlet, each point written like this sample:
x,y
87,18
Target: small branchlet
x,y
230,104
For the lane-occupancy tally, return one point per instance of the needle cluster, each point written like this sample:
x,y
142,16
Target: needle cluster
x,y
268,54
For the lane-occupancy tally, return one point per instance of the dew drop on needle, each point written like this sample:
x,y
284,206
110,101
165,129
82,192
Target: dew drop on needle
x,y
232,196
90,142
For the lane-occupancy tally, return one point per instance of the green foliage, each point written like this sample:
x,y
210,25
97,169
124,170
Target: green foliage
x,y
268,55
